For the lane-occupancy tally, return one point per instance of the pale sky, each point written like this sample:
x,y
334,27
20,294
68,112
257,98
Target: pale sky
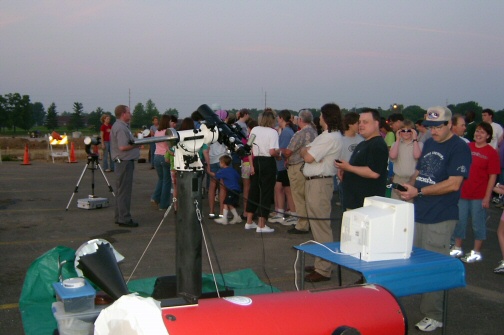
x,y
296,54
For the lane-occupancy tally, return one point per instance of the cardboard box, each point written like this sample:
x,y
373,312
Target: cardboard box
x,y
92,203
75,323
75,299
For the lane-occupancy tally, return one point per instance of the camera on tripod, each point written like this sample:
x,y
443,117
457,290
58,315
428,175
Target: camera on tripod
x,y
89,141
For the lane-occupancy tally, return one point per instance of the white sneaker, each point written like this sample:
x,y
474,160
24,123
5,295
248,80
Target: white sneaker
x,y
222,221
472,257
276,219
428,325
289,221
456,252
252,225
500,268
235,220
264,229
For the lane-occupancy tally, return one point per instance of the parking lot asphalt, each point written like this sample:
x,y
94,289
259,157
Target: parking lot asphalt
x,y
33,220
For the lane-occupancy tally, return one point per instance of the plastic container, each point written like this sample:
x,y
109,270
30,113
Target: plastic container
x,y
76,294
75,323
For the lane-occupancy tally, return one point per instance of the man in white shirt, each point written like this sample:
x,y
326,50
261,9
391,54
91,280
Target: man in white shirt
x,y
487,116
319,169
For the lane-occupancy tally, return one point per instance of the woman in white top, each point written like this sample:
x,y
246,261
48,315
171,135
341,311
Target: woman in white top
x,y
262,172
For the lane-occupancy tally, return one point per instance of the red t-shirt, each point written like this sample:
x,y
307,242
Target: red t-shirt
x,y
485,161
106,129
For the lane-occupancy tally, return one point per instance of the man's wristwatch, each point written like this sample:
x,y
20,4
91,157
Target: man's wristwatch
x,y
420,194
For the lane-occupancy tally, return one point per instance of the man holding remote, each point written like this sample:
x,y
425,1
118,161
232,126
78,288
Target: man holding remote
x,y
435,189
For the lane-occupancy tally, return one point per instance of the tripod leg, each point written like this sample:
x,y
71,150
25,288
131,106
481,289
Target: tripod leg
x,y
77,186
106,180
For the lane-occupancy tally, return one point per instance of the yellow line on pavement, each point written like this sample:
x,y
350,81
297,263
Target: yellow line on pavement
x,y
77,238
9,306
30,210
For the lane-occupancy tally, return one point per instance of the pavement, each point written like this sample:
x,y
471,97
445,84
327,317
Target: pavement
x,y
33,220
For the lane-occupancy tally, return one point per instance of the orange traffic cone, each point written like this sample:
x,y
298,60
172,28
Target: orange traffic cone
x,y
26,160
72,154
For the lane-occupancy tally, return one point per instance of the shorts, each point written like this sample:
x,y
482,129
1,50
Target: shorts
x,y
214,167
245,170
283,177
232,198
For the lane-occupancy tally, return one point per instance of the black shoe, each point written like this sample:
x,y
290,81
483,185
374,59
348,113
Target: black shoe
x,y
293,230
315,277
131,224
309,268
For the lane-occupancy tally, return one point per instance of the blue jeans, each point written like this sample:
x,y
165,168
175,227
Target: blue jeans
x,y
478,218
107,158
152,156
162,192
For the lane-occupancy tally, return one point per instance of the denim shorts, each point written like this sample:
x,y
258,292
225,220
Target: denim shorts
x,y
478,216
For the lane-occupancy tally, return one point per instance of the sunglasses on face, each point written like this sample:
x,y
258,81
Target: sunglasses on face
x,y
406,130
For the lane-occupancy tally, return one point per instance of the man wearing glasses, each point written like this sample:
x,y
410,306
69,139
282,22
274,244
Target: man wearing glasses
x,y
435,188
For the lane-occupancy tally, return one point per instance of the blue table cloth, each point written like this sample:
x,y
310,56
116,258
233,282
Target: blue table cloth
x,y
425,271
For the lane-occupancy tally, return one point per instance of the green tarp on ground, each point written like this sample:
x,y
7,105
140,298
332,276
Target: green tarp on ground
x,y
37,295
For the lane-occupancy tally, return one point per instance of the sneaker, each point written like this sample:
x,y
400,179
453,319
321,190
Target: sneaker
x,y
264,229
223,221
456,252
236,220
252,225
289,221
212,216
500,268
472,257
428,325
276,219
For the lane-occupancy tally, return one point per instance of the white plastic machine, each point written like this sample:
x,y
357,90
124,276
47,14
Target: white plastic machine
x,y
381,230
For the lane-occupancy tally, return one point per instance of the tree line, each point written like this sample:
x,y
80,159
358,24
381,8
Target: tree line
x,y
18,112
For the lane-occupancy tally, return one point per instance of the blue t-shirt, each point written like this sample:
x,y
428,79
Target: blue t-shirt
x,y
230,178
283,142
438,162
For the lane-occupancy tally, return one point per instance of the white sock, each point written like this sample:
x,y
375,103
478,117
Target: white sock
x,y
225,215
235,213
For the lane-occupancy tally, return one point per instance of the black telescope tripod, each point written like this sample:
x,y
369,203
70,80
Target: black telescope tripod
x,y
92,164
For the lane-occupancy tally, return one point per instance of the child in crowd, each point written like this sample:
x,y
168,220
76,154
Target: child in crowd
x,y
231,180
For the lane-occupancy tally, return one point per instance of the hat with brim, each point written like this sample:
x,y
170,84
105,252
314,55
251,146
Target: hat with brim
x,y
437,116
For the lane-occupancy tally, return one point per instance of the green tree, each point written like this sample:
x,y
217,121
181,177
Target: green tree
x,y
94,121
139,116
77,118
38,113
20,111
463,108
150,111
51,121
4,115
414,113
172,111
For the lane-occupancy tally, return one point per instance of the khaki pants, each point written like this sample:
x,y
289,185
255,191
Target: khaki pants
x,y
318,193
434,237
297,185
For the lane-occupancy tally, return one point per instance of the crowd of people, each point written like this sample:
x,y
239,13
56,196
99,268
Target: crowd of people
x,y
448,166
